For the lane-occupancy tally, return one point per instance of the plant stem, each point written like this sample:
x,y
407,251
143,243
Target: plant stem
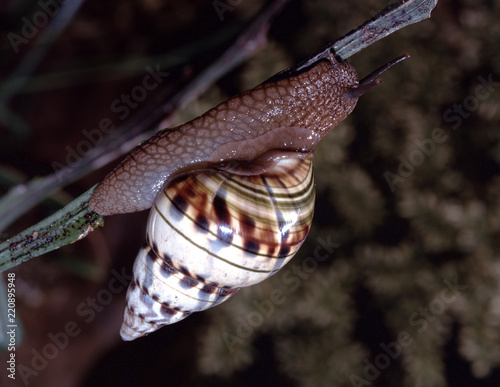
x,y
66,226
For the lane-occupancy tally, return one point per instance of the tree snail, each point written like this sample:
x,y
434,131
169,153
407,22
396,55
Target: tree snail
x,y
231,192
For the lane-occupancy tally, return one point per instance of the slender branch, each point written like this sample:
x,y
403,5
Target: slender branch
x,y
75,220
66,226
389,20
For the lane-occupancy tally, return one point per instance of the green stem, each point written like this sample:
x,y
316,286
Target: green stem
x,y
66,226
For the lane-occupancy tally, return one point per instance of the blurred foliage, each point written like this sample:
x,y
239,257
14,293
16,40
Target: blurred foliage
x,y
407,196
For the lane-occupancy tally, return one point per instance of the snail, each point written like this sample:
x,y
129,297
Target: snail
x,y
232,192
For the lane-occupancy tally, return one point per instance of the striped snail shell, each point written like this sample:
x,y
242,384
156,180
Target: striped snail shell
x,y
211,233
231,192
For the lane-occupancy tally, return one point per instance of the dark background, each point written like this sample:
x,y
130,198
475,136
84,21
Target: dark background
x,y
399,248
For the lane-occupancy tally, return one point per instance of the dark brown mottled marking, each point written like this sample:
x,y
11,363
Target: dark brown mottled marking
x,y
226,291
153,244
252,246
209,289
188,190
166,270
247,223
179,203
151,255
189,282
202,199
181,178
167,259
271,249
221,210
200,278
202,222
285,249
166,311
184,270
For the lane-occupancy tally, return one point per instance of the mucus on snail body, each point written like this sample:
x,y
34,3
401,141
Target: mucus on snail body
x,y
232,192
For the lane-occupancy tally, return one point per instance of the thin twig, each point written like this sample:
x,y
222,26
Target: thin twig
x,y
66,226
389,20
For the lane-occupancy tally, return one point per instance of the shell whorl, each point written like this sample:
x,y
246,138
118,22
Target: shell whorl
x,y
212,232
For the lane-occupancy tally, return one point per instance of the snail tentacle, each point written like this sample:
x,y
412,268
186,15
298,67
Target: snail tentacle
x,y
372,79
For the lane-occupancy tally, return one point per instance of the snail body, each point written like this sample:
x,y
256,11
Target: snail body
x,y
287,116
232,192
